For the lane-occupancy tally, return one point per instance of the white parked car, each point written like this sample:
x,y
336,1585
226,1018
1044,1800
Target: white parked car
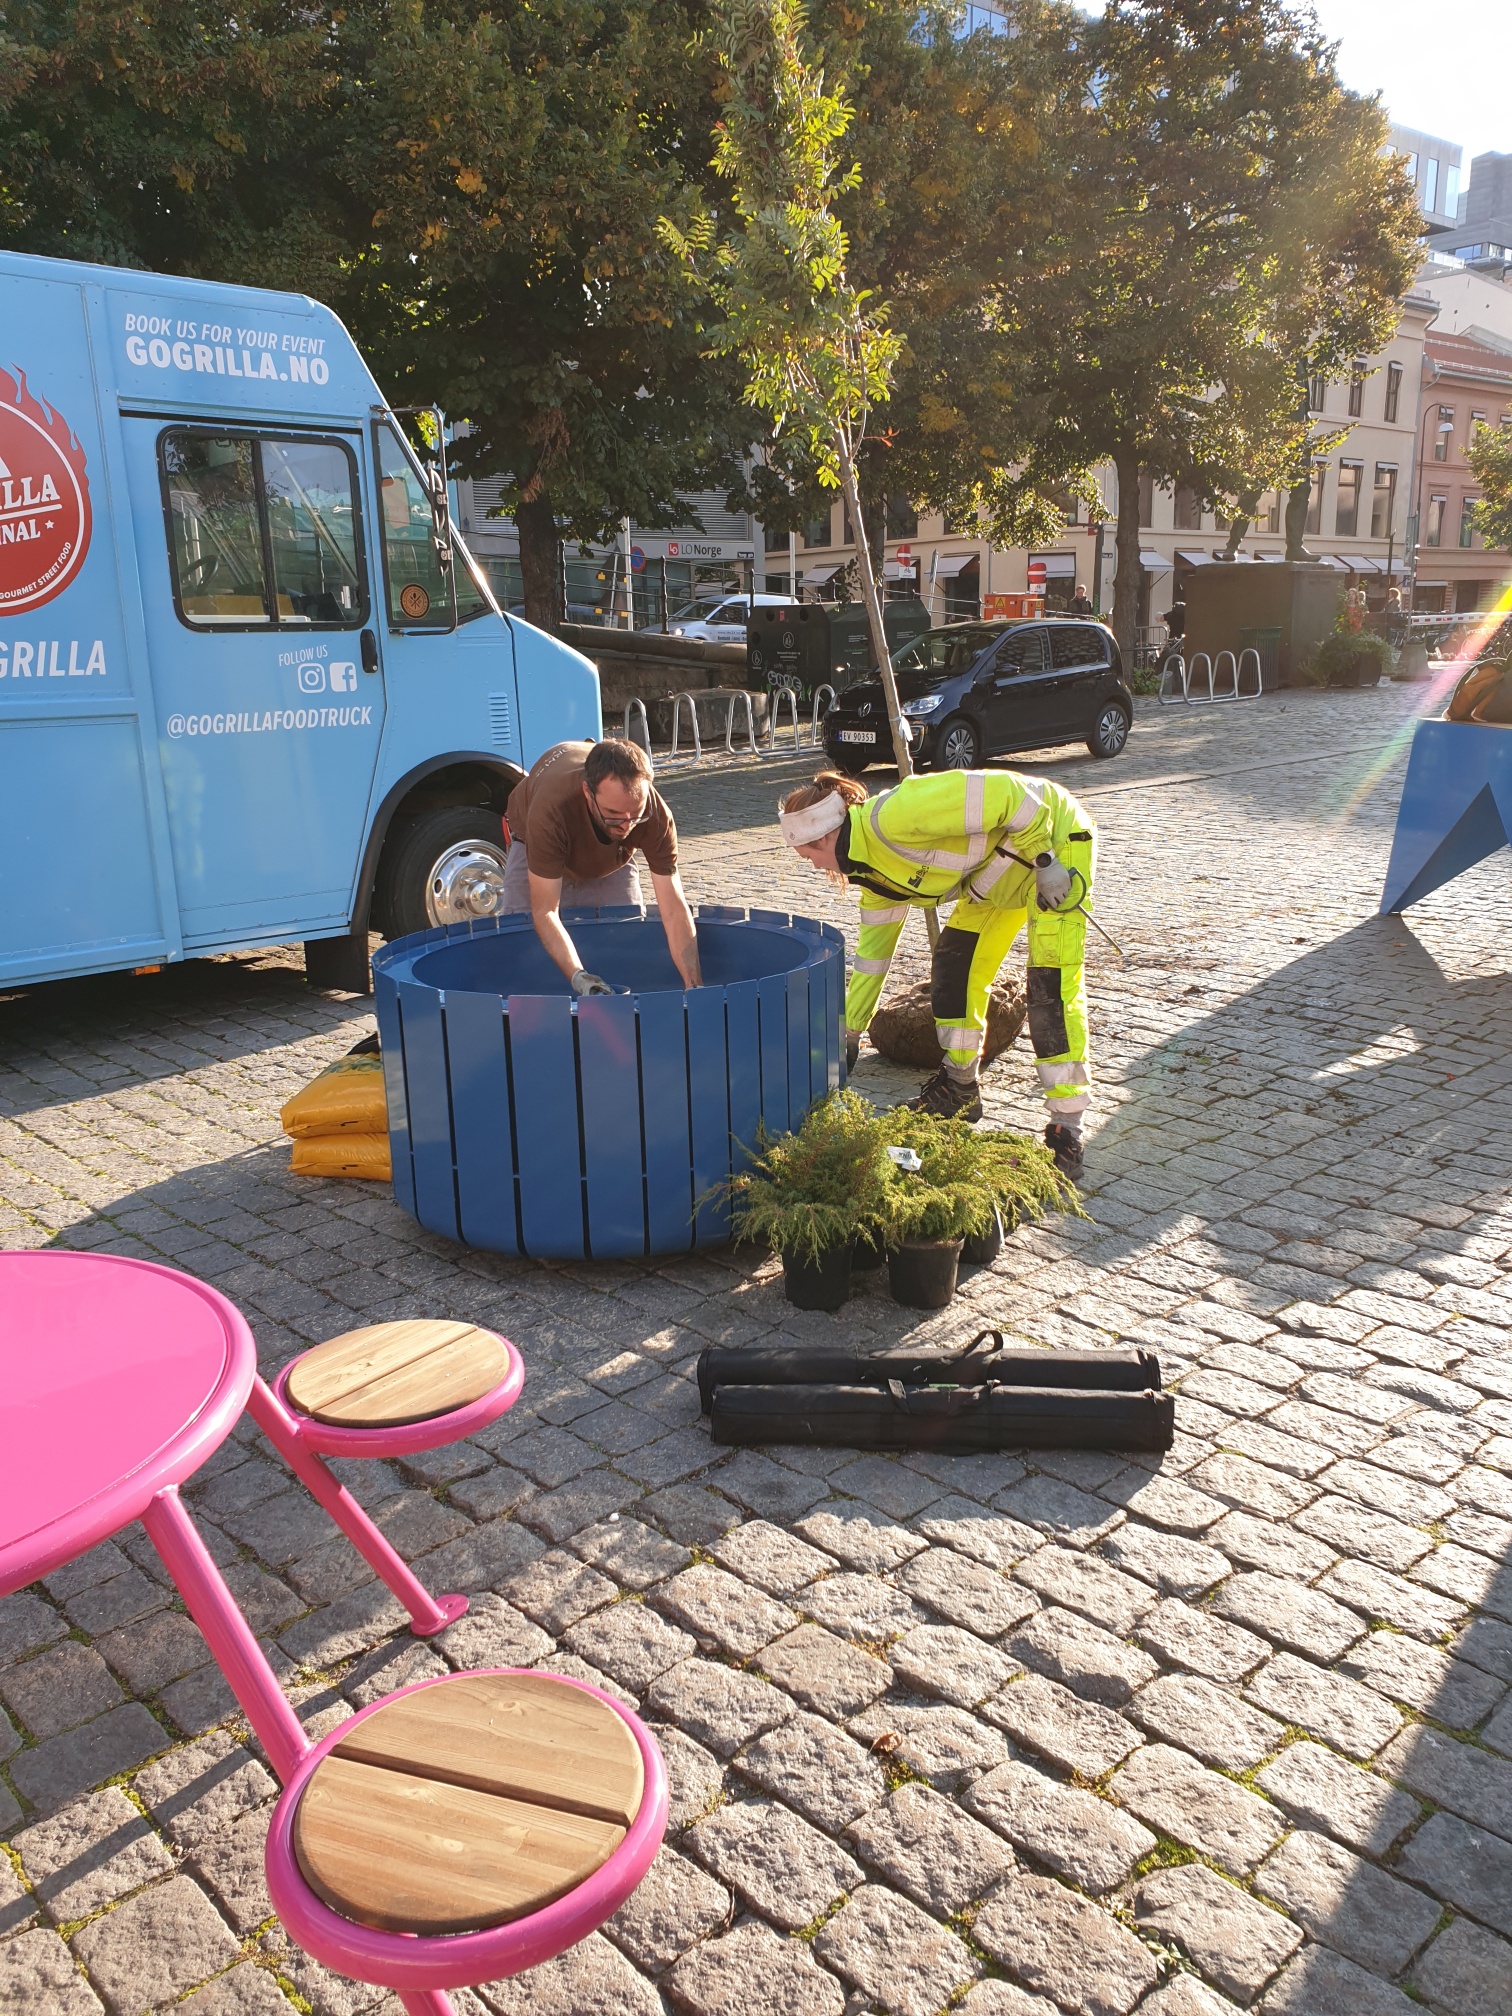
x,y
721,622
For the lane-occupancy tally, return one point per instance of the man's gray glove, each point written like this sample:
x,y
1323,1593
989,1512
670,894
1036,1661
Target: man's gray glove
x,y
589,983
852,1049
1052,882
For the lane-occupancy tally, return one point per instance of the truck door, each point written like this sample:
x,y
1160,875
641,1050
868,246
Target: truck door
x,y
270,695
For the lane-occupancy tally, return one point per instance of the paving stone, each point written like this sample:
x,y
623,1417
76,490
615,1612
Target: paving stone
x,y
945,1745
493,1633
1487,1643
26,1623
1403,1669
1416,1504
768,1489
92,1852
1467,1867
1082,1582
244,1991
1076,1517
1176,1566
1498,1731
1300,1619
1261,1543
886,1483
631,1642
1163,1501
1235,1941
592,1975
689,1513
889,1951
859,1537
1468,1781
1377,1594
1185,1995
155,1650
825,1673
557,1515
1201,1642
155,1946
1091,1843
64,1766
774,1560
719,1706
1272,1493
1355,1529
18,1906
1320,1982
1328,1705
401,1663
972,1529
1467,1577
1172,1793
353,1623
924,1845
1354,1806
940,1659
862,1607
965,1592
195,1791
1465,1971
695,1782
59,1689
826,1775
37,1973
722,1613
775,1862
1361,1911
750,1968
491,1492
1002,1998
1192,1713
1055,1723
672,1907
557,1590
1061,1946
1090,1662
1294,1454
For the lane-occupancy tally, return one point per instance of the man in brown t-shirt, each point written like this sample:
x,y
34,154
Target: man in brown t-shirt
x,y
575,823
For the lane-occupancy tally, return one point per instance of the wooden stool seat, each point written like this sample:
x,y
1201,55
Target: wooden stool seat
x,y
467,1804
392,1373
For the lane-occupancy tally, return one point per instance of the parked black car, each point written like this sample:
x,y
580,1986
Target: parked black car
x,y
974,690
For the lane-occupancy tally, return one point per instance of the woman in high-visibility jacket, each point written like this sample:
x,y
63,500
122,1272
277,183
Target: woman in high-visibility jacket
x,y
1005,850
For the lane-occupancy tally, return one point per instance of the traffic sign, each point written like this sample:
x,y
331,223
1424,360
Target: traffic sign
x,y
1036,573
637,560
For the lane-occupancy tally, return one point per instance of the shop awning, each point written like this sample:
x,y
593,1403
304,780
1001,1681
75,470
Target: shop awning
x,y
815,577
1154,563
946,566
1330,560
1268,556
1057,566
1360,563
1189,558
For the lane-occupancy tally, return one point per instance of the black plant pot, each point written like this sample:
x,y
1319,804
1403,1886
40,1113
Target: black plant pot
x,y
922,1272
984,1247
867,1255
817,1284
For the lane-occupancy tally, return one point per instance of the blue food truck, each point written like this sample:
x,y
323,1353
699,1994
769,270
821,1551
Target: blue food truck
x,y
253,689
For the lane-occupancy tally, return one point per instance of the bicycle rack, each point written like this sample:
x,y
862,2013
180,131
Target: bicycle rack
x,y
1233,673
1177,664
1198,658
775,700
677,700
739,693
638,706
1239,694
1187,674
814,724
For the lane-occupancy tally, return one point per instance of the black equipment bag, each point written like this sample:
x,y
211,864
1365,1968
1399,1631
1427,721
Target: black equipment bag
x,y
955,1418
988,1359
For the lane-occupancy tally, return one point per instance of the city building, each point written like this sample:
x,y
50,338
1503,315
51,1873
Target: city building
x,y
1466,385
1482,232
1434,166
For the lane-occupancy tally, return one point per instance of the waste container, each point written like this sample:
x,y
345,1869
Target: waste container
x,y
1265,640
524,1120
813,644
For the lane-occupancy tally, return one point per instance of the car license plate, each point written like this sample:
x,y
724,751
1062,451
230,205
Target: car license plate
x,y
856,735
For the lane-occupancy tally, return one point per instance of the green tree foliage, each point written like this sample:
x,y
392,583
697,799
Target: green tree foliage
x,y
1490,456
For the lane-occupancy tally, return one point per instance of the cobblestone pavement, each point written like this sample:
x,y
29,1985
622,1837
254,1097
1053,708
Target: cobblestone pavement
x,y
1069,1733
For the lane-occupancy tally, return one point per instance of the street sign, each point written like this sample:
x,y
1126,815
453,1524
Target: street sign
x,y
905,556
637,560
1036,573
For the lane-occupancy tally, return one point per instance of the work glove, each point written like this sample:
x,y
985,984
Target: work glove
x,y
852,1049
589,983
1052,882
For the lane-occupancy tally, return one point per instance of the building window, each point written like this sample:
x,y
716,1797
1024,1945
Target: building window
x,y
817,532
1357,389
1434,532
1412,166
1315,498
1442,438
902,519
1393,390
1430,184
1477,421
1317,392
959,524
1347,500
1451,189
1467,520
1188,509
1267,516
1383,500
1147,496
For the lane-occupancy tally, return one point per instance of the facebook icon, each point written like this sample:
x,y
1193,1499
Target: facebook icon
x,y
343,678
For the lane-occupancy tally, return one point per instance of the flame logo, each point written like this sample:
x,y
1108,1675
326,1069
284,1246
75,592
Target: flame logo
x,y
45,516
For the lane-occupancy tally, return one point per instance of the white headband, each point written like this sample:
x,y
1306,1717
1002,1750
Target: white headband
x,y
799,829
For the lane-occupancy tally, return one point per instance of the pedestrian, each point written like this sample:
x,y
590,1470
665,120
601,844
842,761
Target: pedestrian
x,y
1004,849
1175,621
575,823
1081,602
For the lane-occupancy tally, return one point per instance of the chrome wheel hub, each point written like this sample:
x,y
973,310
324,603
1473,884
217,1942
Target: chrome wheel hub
x,y
466,883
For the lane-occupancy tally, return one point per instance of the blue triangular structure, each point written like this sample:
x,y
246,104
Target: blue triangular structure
x,y
1456,808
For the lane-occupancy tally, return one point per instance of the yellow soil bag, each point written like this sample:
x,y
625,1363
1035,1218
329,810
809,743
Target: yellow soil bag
x,y
345,1099
349,1154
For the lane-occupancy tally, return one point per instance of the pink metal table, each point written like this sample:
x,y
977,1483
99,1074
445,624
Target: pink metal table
x,y
118,1379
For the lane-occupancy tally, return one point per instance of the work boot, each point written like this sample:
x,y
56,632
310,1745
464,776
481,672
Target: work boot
x,y
949,1098
1066,1147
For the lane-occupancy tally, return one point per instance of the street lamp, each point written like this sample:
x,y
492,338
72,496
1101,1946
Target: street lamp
x,y
1444,427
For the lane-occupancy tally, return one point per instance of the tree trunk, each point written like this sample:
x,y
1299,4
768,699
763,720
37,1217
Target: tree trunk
x,y
1127,569
540,567
1297,500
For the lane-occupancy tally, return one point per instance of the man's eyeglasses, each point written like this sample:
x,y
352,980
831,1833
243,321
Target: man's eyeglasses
x,y
615,822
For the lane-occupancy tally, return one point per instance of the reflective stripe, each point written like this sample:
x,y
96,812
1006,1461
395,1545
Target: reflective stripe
x,y
870,965
976,802
1031,806
954,858
897,913
1067,1102
988,876
1063,1074
958,1039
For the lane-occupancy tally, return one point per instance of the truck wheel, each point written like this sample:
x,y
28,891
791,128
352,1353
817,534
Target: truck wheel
x,y
444,867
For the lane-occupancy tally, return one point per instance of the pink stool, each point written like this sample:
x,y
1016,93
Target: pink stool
x,y
392,1389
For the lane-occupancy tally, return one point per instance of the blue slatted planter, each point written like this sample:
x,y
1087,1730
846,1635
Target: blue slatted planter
x,y
524,1121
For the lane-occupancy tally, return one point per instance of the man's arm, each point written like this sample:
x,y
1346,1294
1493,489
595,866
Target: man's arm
x,y
677,922
545,914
